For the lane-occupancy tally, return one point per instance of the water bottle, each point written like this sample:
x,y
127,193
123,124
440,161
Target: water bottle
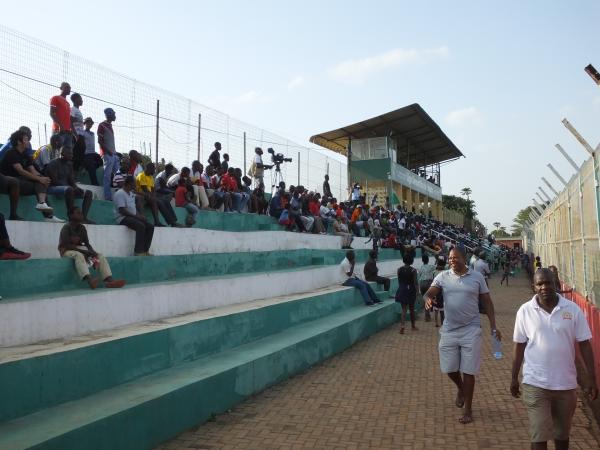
x,y
496,346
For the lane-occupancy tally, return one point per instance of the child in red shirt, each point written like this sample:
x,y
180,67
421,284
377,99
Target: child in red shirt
x,y
183,199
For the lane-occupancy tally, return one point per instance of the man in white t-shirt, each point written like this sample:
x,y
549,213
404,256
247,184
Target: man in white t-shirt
x,y
259,167
347,268
546,330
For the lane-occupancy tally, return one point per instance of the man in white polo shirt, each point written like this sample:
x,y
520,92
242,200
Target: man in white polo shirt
x,y
460,335
546,330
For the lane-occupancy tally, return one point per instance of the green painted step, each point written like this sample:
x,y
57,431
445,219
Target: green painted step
x,y
101,212
145,412
43,277
32,384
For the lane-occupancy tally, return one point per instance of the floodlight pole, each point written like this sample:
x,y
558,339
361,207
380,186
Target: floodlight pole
x,y
567,157
157,128
540,197
578,136
199,134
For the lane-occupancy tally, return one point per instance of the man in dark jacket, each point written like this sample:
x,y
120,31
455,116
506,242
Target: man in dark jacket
x,y
371,271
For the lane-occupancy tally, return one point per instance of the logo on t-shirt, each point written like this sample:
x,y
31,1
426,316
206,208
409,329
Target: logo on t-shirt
x,y
567,316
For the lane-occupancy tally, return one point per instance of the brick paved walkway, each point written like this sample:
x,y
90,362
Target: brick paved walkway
x,y
386,393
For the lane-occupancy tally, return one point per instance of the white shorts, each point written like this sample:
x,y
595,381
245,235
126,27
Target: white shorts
x,y
460,350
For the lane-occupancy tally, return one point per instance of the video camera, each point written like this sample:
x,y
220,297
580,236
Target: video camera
x,y
278,158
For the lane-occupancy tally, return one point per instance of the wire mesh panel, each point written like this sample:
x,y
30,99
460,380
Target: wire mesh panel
x,y
31,71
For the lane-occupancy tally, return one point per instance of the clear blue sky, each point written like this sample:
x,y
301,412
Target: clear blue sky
x,y
497,76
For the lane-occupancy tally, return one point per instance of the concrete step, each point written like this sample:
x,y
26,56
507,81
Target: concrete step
x,y
179,376
45,317
41,240
102,213
38,278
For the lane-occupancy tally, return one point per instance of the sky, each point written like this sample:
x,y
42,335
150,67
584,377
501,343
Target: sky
x,y
498,77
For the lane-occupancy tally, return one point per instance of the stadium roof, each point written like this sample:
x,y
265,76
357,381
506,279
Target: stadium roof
x,y
427,142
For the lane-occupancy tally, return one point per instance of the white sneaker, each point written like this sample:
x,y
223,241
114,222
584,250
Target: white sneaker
x,y
43,207
55,219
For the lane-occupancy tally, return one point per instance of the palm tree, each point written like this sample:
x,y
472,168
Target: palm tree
x,y
466,192
496,224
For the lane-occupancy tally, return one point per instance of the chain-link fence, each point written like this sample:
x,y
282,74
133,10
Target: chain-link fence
x,y
567,233
183,130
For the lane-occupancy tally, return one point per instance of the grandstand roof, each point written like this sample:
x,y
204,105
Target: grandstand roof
x,y
428,143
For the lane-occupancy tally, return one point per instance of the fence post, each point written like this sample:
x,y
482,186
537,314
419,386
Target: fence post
x,y
199,135
298,169
245,153
157,128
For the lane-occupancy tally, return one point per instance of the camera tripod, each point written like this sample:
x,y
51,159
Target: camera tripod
x,y
276,177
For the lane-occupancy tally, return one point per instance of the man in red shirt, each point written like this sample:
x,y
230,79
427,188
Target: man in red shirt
x,y
60,111
229,184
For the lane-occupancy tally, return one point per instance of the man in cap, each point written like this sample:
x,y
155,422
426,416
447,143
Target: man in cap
x,y
106,141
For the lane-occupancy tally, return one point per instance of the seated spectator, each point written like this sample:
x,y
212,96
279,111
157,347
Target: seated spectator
x,y
46,153
243,188
7,251
314,209
162,178
74,244
230,185
183,199
127,213
201,194
258,202
145,188
10,186
276,206
326,213
221,194
341,229
8,144
371,272
347,267
357,221
135,163
296,210
18,165
91,159
62,182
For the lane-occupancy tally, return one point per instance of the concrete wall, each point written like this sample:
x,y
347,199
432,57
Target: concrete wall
x,y
41,240
32,321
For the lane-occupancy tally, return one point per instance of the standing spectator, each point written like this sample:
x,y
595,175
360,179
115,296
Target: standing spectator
x,y
183,199
62,182
505,274
407,291
548,328
106,141
438,304
145,187
18,165
77,126
7,251
214,158
538,263
326,188
74,244
371,272
47,153
60,112
460,341
425,277
127,213
225,162
355,195
258,202
480,265
91,160
347,267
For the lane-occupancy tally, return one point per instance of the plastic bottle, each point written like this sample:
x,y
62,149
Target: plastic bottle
x,y
496,346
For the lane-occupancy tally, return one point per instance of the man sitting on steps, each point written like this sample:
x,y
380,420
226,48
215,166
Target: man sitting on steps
x,y
74,244
371,272
347,266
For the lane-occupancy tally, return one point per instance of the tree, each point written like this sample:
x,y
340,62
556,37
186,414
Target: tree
x,y
496,224
520,220
466,192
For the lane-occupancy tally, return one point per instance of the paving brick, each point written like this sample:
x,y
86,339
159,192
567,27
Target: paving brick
x,y
387,393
